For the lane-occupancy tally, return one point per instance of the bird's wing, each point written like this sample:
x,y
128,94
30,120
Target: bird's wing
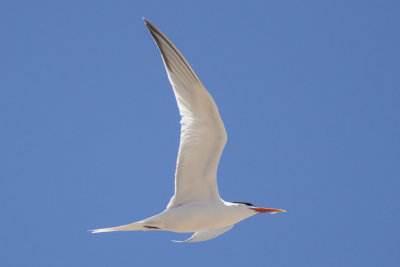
x,y
203,135
207,234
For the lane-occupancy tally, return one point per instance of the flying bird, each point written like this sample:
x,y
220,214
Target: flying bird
x,y
196,205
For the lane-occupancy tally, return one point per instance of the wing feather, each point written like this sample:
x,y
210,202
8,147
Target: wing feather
x,y
207,234
203,134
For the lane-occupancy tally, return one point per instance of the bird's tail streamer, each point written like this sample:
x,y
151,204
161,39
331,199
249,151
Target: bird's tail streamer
x,y
127,227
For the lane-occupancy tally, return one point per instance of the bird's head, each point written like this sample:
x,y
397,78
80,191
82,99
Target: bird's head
x,y
259,209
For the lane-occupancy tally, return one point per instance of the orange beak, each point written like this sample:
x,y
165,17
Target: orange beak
x,y
262,210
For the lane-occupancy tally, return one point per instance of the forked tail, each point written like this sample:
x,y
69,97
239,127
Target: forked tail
x,y
127,227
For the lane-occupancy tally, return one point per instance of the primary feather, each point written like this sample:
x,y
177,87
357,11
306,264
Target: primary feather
x,y
203,134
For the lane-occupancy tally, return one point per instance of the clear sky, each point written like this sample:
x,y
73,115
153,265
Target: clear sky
x,y
89,130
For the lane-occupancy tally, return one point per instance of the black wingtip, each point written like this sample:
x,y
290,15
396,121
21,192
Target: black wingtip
x,y
147,23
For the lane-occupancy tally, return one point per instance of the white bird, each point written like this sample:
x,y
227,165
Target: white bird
x,y
196,205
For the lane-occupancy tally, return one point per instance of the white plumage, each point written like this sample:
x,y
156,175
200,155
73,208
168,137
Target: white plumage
x,y
196,205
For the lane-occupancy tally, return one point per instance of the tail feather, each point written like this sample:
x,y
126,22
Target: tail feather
x,y
95,231
127,227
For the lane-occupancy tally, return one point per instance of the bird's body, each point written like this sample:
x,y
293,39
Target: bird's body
x,y
194,217
196,205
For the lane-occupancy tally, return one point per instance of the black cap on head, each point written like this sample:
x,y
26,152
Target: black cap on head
x,y
245,203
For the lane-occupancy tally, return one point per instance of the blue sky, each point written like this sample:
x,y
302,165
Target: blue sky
x,y
89,130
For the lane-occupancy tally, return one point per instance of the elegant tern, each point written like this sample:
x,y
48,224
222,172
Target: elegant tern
x,y
196,205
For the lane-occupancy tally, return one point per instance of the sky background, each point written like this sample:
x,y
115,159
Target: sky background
x,y
89,130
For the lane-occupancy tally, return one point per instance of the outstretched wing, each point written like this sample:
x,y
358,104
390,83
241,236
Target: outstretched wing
x,y
203,135
207,234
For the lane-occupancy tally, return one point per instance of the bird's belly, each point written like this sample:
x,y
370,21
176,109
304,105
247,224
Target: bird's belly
x,y
193,218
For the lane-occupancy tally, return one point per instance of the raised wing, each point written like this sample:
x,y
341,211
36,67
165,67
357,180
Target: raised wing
x,y
207,234
203,135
